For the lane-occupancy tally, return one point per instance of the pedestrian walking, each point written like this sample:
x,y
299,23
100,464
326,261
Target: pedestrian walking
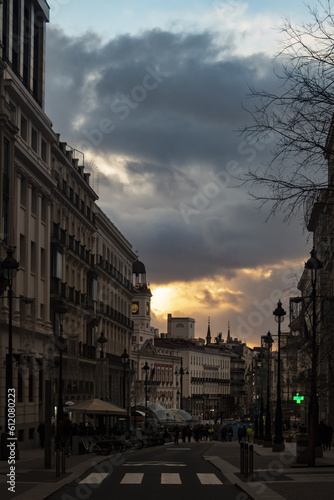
x,y
250,434
321,434
65,431
240,435
329,436
176,433
230,433
197,434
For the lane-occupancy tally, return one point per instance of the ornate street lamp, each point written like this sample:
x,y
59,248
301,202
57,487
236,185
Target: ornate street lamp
x,y
101,340
278,445
146,368
261,434
313,264
124,358
9,268
267,435
181,371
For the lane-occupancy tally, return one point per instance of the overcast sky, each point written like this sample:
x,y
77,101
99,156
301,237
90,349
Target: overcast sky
x,y
153,93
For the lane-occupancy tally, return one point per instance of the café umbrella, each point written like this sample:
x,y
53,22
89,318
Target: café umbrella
x,y
98,407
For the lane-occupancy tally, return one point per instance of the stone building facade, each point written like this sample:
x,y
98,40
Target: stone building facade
x,y
72,296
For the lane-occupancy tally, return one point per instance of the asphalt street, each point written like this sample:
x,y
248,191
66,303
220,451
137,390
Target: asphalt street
x,y
178,472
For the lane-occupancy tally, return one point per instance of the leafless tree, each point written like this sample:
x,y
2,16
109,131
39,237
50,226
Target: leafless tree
x,y
297,118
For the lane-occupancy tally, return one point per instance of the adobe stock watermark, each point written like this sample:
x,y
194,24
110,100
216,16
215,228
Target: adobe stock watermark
x,y
212,189
225,7
275,469
55,6
264,309
219,181
122,107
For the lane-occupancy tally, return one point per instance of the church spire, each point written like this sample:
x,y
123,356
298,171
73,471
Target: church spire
x,y
208,335
229,338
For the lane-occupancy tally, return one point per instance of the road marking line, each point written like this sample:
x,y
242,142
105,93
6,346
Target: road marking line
x,y
209,479
178,449
167,478
132,478
166,464
94,478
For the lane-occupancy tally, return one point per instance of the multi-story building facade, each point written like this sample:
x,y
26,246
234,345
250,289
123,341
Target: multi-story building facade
x,y
26,207
241,365
159,383
72,296
204,374
313,318
180,328
113,276
312,321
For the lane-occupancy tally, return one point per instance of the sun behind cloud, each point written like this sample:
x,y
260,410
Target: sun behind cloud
x,y
194,297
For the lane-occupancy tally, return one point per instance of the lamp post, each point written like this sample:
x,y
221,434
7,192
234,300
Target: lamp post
x,y
261,436
181,371
60,309
102,340
278,445
178,398
9,268
124,358
313,264
146,368
267,434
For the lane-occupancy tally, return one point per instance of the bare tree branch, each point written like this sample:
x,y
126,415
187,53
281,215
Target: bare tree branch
x,y
297,118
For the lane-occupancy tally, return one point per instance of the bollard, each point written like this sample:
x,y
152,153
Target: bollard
x,y
63,459
57,460
251,462
246,461
242,458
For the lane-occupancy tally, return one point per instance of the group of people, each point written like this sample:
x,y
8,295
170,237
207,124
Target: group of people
x,y
243,434
198,432
325,435
226,433
65,431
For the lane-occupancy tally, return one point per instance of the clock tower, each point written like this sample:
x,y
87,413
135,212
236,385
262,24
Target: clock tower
x,y
141,306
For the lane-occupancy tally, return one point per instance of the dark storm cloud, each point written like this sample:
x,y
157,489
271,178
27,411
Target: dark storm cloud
x,y
171,104
188,112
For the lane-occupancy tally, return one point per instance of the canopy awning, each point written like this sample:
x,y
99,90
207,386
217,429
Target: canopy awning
x,y
98,406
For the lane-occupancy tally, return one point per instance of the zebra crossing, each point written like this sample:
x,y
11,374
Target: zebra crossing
x,y
165,478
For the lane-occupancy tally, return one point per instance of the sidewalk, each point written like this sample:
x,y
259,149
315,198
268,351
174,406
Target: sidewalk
x,y
34,482
276,474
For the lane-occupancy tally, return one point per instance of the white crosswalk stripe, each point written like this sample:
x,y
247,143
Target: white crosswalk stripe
x,y
94,478
209,479
170,478
132,478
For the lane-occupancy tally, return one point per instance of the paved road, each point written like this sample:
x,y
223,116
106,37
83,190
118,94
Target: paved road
x,y
177,472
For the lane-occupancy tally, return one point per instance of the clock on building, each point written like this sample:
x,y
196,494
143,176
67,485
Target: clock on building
x,y
135,308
